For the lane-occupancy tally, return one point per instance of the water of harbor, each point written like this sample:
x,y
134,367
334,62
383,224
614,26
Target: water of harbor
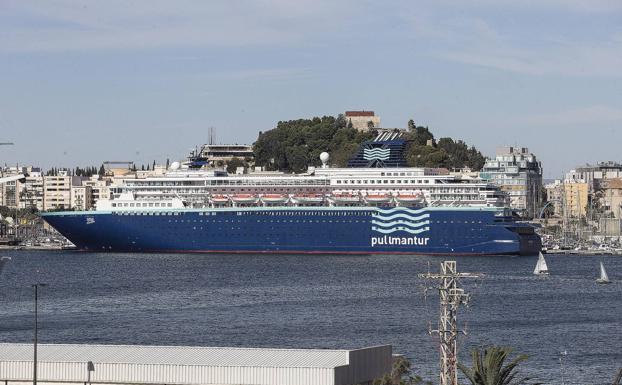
x,y
320,302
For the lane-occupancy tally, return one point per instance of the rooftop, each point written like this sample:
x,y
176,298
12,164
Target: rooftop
x,y
186,355
360,113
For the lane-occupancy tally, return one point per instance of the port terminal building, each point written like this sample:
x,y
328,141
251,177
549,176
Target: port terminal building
x,y
179,365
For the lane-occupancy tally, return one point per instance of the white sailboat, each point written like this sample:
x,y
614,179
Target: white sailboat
x,y
541,267
603,275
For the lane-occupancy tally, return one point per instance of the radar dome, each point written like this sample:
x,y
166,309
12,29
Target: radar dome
x,y
324,158
174,166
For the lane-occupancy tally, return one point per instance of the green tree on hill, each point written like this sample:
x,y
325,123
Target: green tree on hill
x,y
423,151
234,163
295,144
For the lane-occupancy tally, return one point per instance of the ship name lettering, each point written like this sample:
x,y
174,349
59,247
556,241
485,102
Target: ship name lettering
x,y
399,241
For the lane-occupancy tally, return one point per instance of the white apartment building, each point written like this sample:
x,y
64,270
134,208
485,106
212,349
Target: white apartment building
x,y
517,172
9,191
31,191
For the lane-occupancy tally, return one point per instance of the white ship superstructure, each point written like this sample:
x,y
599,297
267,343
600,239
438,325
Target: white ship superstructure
x,y
322,186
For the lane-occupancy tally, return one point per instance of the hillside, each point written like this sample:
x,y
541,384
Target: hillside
x,y
446,152
295,144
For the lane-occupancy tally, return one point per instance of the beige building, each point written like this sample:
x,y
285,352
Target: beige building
x,y
555,196
612,197
81,198
118,169
362,120
576,198
57,192
100,188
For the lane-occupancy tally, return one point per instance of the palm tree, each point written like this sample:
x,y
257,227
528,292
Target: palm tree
x,y
488,368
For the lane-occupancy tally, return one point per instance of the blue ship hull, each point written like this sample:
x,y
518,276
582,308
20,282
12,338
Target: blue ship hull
x,y
339,230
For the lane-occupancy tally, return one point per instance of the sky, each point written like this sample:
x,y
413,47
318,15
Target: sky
x,y
82,82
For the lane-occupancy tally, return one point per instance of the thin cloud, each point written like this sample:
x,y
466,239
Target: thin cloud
x,y
596,115
67,25
474,41
592,6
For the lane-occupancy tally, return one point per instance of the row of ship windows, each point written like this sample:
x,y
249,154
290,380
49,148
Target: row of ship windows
x,y
274,214
143,204
384,181
305,221
274,221
398,174
299,213
227,234
268,213
231,181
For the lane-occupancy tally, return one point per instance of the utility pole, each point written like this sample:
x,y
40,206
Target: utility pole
x,y
36,286
451,297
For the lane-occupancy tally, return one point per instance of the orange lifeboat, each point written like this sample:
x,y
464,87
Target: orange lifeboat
x,y
409,199
377,198
344,198
308,198
274,198
244,198
219,199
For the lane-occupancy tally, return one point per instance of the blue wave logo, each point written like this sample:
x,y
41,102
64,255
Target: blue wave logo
x,y
376,153
401,219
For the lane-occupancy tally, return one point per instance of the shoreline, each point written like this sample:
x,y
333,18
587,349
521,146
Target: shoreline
x,y
578,253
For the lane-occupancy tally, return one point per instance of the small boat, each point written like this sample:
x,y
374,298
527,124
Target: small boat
x,y
377,198
244,198
308,198
274,198
344,198
541,267
603,275
219,199
409,199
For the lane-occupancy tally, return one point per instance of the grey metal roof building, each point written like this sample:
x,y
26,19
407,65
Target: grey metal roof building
x,y
133,364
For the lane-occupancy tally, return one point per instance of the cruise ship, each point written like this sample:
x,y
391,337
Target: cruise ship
x,y
373,206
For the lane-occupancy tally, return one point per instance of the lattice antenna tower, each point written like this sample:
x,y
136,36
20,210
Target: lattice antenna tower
x,y
451,297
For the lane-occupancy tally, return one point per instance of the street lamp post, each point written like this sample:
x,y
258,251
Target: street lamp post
x,y
36,286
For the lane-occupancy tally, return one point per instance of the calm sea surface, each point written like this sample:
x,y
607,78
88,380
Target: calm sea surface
x,y
320,302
